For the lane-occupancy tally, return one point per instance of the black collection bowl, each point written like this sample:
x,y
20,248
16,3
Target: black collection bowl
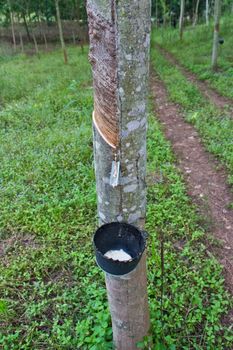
x,y
221,41
116,236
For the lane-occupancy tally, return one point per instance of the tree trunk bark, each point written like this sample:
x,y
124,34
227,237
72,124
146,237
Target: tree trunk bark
x,y
156,13
217,12
164,10
119,54
45,41
21,42
196,13
73,37
26,27
35,44
61,32
12,26
38,17
207,12
181,21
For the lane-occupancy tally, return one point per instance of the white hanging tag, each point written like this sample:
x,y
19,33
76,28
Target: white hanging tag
x,y
115,174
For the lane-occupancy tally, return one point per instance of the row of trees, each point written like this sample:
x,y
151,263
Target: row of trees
x,y
217,6
27,11
32,14
164,12
167,12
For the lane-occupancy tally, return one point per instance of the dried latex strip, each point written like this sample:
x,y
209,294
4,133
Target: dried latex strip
x,y
112,142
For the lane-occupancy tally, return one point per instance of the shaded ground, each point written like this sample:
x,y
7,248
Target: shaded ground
x,y
206,181
208,92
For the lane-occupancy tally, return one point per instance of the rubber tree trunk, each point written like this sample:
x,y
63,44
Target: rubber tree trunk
x,y
61,32
26,26
73,37
156,13
196,13
12,27
21,42
119,53
207,12
181,20
45,41
164,10
39,21
217,12
35,44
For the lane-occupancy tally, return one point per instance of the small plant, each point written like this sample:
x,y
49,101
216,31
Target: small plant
x,y
52,292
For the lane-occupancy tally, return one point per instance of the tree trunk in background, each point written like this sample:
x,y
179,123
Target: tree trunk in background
x,y
12,26
217,11
164,10
61,32
21,42
73,37
26,27
35,44
119,54
156,13
38,17
45,41
181,21
196,13
207,12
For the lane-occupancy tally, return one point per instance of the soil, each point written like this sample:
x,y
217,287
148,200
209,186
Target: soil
x,y
206,180
212,95
16,241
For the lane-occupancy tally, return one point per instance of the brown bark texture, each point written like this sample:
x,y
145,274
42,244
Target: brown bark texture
x,y
129,307
119,54
103,59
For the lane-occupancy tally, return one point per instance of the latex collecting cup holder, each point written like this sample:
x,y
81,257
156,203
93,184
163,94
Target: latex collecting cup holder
x,y
119,237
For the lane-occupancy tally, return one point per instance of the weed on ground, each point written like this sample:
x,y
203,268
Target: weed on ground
x,y
52,294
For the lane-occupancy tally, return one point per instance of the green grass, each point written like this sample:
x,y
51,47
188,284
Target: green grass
x,y
215,127
6,52
52,294
195,51
22,75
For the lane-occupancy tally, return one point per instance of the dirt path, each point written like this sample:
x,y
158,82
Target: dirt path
x,y
206,182
212,95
